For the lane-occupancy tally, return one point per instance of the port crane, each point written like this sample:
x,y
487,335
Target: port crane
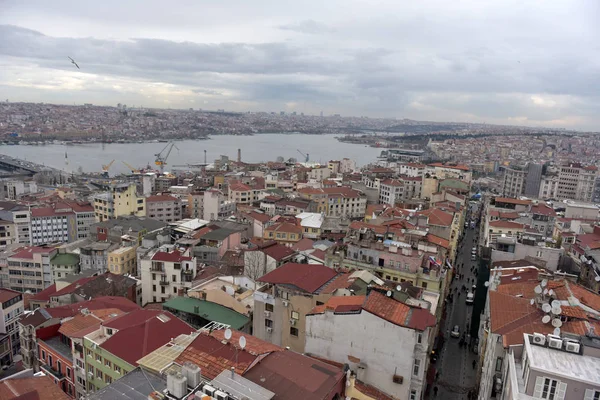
x,y
306,156
133,170
161,158
106,167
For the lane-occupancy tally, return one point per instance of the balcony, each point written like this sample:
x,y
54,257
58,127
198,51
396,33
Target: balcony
x,y
164,283
52,371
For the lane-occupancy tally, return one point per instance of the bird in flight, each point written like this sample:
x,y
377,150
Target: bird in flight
x,y
73,62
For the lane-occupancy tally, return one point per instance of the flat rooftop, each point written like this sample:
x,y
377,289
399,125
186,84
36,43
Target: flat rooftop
x,y
55,344
569,365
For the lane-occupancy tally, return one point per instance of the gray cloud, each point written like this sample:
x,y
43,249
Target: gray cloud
x,y
308,26
491,61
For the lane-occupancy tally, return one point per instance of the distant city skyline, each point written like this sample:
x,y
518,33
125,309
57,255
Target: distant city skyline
x,y
505,62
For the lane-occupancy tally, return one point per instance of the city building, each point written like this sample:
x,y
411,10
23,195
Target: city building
x,y
64,264
163,208
38,387
123,261
286,233
164,272
341,201
280,307
513,184
29,268
241,193
199,312
122,199
311,224
8,235
217,206
19,215
397,362
195,205
61,222
11,310
576,182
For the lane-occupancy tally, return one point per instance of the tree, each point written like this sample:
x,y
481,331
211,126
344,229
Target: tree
x,y
255,264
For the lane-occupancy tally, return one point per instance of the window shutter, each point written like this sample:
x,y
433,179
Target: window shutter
x,y
589,394
539,387
561,391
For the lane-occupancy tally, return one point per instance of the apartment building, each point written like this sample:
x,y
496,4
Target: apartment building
x,y
397,362
216,205
123,260
19,215
8,235
553,367
164,273
195,205
548,187
576,182
448,171
284,233
11,309
241,193
61,222
319,173
29,268
341,201
163,208
64,264
121,199
347,166
280,307
513,183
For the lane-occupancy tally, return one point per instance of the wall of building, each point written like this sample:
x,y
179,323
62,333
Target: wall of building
x,y
336,337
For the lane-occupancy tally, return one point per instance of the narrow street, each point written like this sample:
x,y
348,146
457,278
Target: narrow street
x,y
457,374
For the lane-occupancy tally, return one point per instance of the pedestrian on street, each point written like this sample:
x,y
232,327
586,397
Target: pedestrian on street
x,y
474,363
435,390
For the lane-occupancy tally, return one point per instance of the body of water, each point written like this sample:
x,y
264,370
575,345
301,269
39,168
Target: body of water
x,y
263,147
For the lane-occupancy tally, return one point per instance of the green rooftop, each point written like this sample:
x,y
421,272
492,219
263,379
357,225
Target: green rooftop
x,y
207,310
65,259
454,184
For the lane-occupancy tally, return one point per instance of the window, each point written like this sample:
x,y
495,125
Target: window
x,y
107,363
44,355
416,367
174,278
154,288
295,315
419,338
285,295
99,374
99,358
424,285
91,369
294,331
413,395
108,379
175,290
117,369
268,323
68,372
498,364
162,289
268,307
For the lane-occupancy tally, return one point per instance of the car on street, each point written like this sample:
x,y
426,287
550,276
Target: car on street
x,y
474,250
469,299
474,287
455,331
473,257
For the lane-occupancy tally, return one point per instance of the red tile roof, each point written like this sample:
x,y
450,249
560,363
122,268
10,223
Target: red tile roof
x,y
506,224
304,244
7,294
543,209
173,256
451,166
45,294
306,277
31,388
81,324
505,310
293,376
371,391
278,251
239,187
438,241
437,217
285,227
74,286
28,252
141,332
340,303
398,313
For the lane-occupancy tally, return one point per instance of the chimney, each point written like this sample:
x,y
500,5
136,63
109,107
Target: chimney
x,y
239,155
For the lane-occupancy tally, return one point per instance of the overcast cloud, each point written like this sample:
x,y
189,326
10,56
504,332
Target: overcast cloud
x,y
505,61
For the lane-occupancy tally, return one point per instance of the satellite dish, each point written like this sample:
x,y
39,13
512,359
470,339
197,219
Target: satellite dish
x,y
389,293
555,303
487,284
499,274
399,288
546,319
557,331
242,342
597,279
545,291
227,333
544,282
551,292
538,289
531,301
557,323
546,307
556,310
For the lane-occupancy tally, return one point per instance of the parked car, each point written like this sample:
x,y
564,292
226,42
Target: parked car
x,y
473,257
455,331
474,250
474,287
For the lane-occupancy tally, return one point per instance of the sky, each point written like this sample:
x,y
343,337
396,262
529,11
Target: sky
x,y
511,62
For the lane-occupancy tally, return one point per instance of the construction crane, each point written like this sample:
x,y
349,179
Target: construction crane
x,y
161,158
106,167
133,170
304,155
